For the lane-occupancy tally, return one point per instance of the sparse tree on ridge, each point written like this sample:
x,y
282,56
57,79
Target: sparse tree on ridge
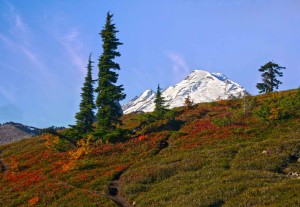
x,y
187,102
109,110
85,117
160,108
269,81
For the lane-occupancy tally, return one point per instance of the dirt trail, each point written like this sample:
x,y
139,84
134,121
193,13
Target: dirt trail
x,y
114,192
114,195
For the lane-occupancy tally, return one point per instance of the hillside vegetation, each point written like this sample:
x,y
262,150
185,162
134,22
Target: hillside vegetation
x,y
241,152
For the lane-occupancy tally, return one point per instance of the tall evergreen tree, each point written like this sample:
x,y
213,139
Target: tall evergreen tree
x,y
109,94
269,81
160,108
85,117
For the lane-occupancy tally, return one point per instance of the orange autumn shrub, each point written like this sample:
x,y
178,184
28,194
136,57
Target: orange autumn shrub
x,y
33,201
50,140
85,147
56,143
14,164
69,166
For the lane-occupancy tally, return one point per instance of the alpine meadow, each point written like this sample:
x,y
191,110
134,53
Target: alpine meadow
x,y
203,141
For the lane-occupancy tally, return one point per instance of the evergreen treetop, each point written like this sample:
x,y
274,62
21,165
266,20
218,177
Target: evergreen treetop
x,y
269,81
109,94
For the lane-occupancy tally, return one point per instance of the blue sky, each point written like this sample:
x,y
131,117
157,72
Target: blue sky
x,y
44,47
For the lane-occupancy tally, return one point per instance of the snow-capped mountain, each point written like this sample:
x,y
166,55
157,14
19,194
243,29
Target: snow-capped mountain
x,y
140,103
200,85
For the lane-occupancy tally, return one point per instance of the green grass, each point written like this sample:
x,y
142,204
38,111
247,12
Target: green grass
x,y
216,156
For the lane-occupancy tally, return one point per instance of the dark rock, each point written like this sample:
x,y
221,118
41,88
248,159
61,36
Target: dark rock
x,y
163,144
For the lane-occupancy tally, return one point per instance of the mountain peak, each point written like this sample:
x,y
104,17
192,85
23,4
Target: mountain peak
x,y
200,85
140,103
11,131
147,93
199,72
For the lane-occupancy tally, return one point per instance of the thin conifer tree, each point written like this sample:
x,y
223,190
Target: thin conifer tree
x,y
160,108
85,117
108,107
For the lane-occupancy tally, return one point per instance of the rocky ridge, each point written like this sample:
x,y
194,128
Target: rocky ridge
x,y
11,132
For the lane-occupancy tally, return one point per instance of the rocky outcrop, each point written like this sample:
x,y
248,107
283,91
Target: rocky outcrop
x,y
11,132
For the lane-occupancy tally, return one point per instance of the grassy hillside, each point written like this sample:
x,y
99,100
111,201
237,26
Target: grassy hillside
x,y
242,152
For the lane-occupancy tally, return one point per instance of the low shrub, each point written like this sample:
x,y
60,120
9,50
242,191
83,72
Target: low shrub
x,y
57,143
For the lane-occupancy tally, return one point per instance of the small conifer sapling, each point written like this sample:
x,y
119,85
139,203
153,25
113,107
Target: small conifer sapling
x,y
160,108
188,103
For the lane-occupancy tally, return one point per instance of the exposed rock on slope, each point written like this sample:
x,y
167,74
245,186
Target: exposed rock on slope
x,y
200,85
10,132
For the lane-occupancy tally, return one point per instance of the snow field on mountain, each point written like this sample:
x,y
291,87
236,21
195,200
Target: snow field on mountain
x,y
200,85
